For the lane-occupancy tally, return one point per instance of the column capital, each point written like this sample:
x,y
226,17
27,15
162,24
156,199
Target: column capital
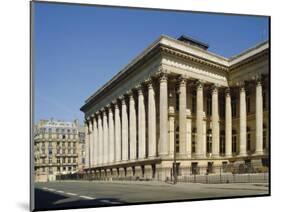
x,y
181,81
199,84
139,88
163,77
122,98
241,85
214,88
102,110
129,93
114,102
149,82
110,109
258,80
99,113
227,91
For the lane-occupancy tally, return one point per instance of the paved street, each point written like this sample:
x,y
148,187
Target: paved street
x,y
83,193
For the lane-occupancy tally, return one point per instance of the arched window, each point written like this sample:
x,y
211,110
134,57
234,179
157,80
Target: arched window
x,y
248,139
234,142
222,142
209,141
177,140
193,140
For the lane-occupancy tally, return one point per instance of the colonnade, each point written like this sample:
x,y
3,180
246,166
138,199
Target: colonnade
x,y
121,131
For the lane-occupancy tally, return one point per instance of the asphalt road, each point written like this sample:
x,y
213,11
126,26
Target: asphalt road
x,y
74,194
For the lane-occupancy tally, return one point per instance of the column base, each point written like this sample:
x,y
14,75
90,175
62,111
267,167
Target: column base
x,y
242,154
257,153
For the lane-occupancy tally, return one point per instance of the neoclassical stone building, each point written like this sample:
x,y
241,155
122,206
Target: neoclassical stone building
x,y
178,102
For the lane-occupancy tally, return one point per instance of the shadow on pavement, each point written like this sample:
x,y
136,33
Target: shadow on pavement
x,y
45,200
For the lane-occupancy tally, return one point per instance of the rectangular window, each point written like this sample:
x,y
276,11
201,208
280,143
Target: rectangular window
x,y
194,168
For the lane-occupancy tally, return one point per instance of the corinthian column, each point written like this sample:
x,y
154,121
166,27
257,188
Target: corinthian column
x,y
215,123
163,119
111,135
228,124
125,139
200,150
95,147
90,142
259,118
117,134
100,135
243,121
133,127
182,117
141,124
151,121
105,138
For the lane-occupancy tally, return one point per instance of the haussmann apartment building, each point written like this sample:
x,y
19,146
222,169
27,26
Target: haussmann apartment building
x,y
59,148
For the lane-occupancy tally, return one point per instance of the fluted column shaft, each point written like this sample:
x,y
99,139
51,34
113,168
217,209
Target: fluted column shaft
x,y
200,152
163,119
105,138
100,136
133,128
228,124
125,132
151,121
91,142
117,134
141,125
111,135
215,123
243,122
95,147
182,117
259,118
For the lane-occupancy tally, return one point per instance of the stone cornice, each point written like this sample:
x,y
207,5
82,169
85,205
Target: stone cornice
x,y
249,60
193,58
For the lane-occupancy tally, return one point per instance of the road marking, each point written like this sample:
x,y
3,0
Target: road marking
x,y
45,188
109,202
72,194
60,192
86,197
50,189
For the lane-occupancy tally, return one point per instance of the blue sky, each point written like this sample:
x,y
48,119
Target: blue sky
x,y
78,48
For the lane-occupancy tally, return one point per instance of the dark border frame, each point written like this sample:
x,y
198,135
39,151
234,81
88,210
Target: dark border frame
x,y
31,90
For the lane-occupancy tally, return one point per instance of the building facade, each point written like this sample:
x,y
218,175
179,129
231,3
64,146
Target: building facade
x,y
58,149
179,105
